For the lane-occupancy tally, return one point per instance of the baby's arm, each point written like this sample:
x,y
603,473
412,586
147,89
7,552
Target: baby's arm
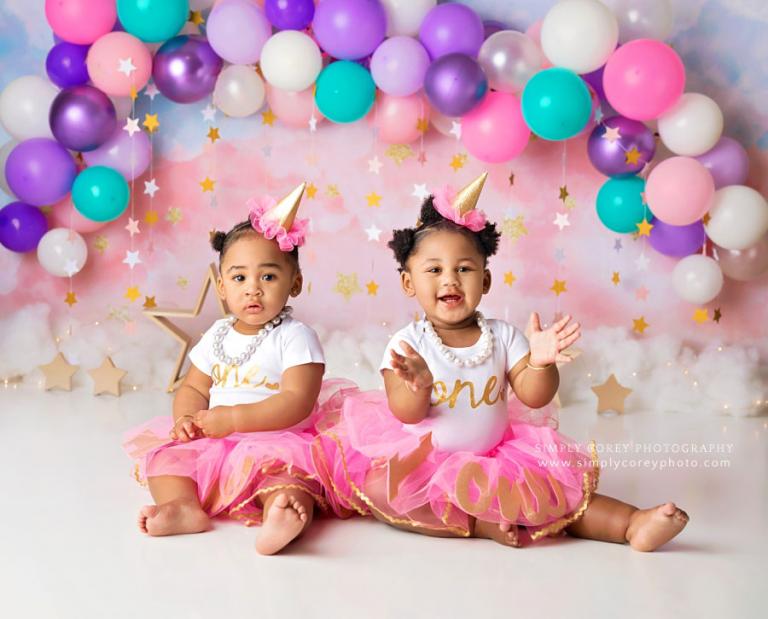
x,y
192,396
534,388
408,385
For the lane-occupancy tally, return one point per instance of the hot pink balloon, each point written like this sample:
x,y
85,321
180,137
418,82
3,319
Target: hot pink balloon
x,y
63,214
118,62
495,130
397,118
129,155
679,191
293,108
643,79
81,21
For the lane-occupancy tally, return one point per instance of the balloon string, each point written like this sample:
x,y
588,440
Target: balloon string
x,y
564,161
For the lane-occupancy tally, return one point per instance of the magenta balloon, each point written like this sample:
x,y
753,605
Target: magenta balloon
x,y
40,171
349,29
608,152
451,28
727,162
21,227
185,69
398,66
455,84
129,155
82,118
677,241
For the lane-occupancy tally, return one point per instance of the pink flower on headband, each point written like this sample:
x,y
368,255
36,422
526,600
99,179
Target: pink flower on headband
x,y
271,228
443,202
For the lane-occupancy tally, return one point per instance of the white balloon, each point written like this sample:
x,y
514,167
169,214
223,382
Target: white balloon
x,y
509,60
697,279
4,152
62,252
642,19
579,35
692,126
24,107
123,107
291,60
738,217
443,123
239,91
405,16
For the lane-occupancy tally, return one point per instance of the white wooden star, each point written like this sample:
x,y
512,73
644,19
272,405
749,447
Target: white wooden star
x,y
561,220
455,129
126,66
374,165
133,226
373,232
209,113
131,258
420,191
151,188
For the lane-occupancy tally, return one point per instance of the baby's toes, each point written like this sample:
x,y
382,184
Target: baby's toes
x,y
669,509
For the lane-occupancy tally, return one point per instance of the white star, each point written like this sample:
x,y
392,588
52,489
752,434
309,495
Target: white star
x,y
126,66
561,220
421,192
133,226
374,165
312,123
151,188
209,113
151,91
642,262
599,115
611,134
373,233
131,258
131,126
71,267
456,129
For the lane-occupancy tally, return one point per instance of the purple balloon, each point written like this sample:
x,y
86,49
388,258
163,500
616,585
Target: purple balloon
x,y
40,171
451,28
622,154
65,64
595,79
492,26
21,227
129,155
455,84
82,118
727,161
398,66
677,241
290,14
185,69
349,29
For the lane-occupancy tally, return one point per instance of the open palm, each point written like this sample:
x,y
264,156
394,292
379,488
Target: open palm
x,y
547,345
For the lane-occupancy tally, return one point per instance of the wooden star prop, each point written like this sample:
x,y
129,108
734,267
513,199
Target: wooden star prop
x,y
151,122
58,373
644,228
558,287
70,299
611,395
161,318
639,325
106,378
705,220
372,287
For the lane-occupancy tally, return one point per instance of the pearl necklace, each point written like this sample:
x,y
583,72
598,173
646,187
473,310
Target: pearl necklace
x,y
486,337
256,340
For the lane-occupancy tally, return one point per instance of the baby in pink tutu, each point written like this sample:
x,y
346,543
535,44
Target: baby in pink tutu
x,y
243,420
447,451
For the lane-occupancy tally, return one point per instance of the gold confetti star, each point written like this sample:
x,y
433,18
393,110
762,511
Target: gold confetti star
x,y
346,285
373,199
372,287
311,190
570,203
563,193
644,228
149,303
151,217
513,228
701,315
458,161
718,315
151,122
100,243
399,152
132,293
639,324
182,282
196,17
268,118
207,184
422,125
174,215
509,278
213,134
632,156
616,278
70,299
332,191
559,287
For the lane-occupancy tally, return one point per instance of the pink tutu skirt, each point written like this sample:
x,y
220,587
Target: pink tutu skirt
x,y
535,477
233,472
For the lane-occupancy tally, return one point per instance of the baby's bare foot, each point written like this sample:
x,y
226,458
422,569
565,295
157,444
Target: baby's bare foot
x,y
285,519
173,518
504,534
650,528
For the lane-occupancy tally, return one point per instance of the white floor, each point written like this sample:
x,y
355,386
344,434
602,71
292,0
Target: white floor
x,y
69,546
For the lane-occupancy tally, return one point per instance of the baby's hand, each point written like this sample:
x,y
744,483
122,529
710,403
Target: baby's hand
x,y
547,346
216,422
185,430
412,368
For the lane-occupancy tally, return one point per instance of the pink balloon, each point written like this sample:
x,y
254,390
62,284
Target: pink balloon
x,y
495,130
117,62
81,21
643,79
64,215
397,118
744,264
293,108
679,191
534,32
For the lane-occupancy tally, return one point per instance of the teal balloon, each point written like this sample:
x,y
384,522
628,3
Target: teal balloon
x,y
153,21
620,204
345,91
100,193
556,104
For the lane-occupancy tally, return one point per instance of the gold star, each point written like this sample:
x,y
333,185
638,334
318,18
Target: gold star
x,y
134,94
563,193
718,315
509,278
458,161
570,203
372,287
213,134
311,190
268,118
151,122
644,228
332,191
149,302
182,282
706,218
558,287
151,217
632,156
70,299
196,17
513,228
399,152
100,243
701,315
422,125
616,278
173,215
511,179
132,293
373,199
611,395
106,378
58,373
207,184
639,324
346,285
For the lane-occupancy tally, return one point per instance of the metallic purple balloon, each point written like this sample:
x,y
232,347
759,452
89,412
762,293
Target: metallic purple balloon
x,y
727,161
185,69
82,118
65,64
21,226
289,14
677,241
40,171
455,84
613,156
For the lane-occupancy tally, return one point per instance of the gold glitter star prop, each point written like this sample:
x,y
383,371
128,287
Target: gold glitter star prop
x,y
332,191
509,278
70,299
701,315
514,228
611,395
632,156
58,373
149,303
458,161
207,184
151,122
570,203
213,134
174,215
559,287
644,228
373,199
132,293
616,278
718,315
346,285
106,378
100,243
639,324
182,282
311,190
399,152
268,118
563,193
372,287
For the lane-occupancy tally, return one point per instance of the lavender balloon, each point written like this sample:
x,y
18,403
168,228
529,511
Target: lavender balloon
x,y
290,14
398,66
677,241
82,118
727,161
455,84
349,29
40,171
21,227
185,69
451,28
65,64
624,153
129,155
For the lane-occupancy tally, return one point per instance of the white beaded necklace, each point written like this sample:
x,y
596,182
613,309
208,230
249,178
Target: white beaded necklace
x,y
486,337
256,340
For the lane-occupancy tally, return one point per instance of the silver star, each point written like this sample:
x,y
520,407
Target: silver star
x,y
373,232
456,129
617,245
561,221
133,226
131,126
421,192
642,262
151,91
151,188
559,254
209,113
131,258
71,267
126,66
612,134
312,123
374,165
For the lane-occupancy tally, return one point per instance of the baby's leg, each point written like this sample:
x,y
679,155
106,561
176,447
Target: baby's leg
x,y
610,520
287,513
177,508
